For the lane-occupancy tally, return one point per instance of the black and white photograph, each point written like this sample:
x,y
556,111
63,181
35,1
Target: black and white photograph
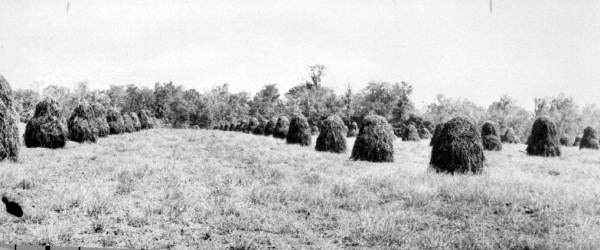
x,y
279,124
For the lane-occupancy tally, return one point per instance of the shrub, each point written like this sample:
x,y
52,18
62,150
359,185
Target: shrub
x,y
375,141
543,140
81,124
589,139
458,148
9,133
47,128
353,130
489,136
411,134
332,137
99,121
299,131
116,125
281,128
509,136
270,126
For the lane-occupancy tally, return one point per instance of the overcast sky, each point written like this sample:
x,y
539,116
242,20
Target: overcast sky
x,y
525,49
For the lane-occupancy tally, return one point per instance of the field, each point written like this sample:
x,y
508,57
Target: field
x,y
204,189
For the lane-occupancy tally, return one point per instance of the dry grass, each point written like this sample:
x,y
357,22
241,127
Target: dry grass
x,y
201,189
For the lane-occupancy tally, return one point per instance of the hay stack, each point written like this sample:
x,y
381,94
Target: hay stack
x,y
489,136
270,126
436,133
241,126
458,148
314,130
47,128
260,128
299,131
375,141
564,141
137,125
252,124
411,134
332,137
543,140
510,137
589,139
426,134
9,133
353,130
81,124
146,121
577,141
99,121
128,123
116,125
281,127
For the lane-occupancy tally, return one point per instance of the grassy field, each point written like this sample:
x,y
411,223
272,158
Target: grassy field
x,y
199,189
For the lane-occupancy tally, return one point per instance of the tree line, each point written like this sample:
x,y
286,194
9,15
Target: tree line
x,y
179,107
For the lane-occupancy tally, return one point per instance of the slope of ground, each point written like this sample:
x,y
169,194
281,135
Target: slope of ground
x,y
200,189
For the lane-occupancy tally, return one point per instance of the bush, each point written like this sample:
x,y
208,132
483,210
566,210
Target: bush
x,y
375,141
589,139
47,128
270,128
116,125
281,128
100,123
510,137
81,124
457,148
411,134
577,141
543,140
332,137
9,133
489,136
353,130
299,131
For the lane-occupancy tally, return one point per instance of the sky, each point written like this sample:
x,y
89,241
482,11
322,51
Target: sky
x,y
458,48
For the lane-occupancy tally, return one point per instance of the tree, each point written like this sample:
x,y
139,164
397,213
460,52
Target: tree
x,y
445,108
316,74
25,102
563,111
384,98
507,114
265,102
